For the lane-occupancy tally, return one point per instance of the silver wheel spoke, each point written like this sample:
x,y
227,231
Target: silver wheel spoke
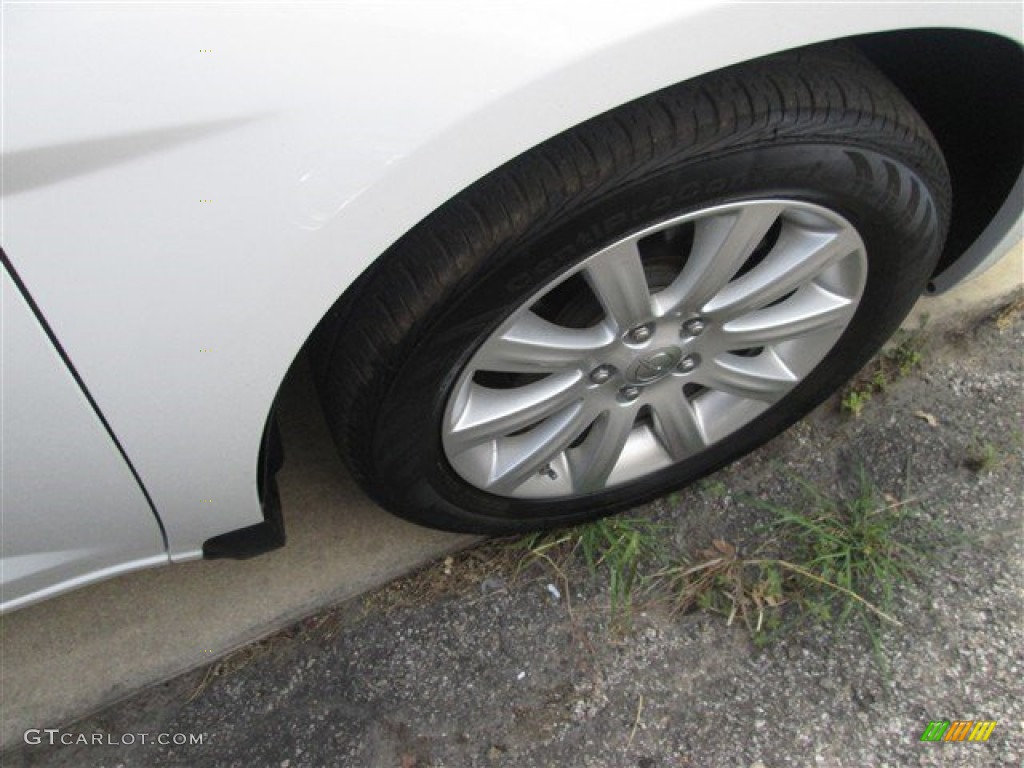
x,y
677,424
616,275
721,245
519,458
597,456
797,258
764,377
532,345
750,307
810,310
492,413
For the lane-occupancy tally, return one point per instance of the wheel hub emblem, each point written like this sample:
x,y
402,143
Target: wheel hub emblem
x,y
653,366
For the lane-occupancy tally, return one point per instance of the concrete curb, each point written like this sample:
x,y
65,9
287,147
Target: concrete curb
x,y
978,297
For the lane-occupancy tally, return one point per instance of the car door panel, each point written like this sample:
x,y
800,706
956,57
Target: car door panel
x,y
72,512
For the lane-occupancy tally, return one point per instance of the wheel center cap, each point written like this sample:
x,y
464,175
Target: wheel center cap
x,y
654,365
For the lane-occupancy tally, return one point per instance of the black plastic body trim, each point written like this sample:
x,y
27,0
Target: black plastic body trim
x,y
263,537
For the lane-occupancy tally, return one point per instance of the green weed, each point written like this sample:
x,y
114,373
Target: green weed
x,y
715,489
854,400
897,361
616,546
830,559
851,547
982,456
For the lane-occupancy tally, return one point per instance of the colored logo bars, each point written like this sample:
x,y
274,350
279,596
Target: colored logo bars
x,y
958,730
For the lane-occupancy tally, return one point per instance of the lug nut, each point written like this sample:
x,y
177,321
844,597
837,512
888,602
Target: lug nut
x,y
641,333
629,394
601,374
694,327
688,363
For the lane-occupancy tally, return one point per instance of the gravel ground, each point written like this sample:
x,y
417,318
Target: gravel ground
x,y
470,663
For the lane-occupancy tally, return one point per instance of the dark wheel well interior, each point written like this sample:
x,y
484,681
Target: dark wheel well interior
x,y
969,88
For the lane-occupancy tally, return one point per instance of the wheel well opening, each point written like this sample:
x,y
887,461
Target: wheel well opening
x,y
969,88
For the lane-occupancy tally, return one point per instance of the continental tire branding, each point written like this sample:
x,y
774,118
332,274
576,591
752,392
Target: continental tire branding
x,y
643,212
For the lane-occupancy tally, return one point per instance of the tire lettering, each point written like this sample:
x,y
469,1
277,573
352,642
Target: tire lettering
x,y
599,234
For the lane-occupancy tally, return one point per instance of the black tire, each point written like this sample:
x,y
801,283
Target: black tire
x,y
819,126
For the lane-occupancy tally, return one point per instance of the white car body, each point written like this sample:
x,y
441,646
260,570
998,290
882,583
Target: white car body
x,y
188,188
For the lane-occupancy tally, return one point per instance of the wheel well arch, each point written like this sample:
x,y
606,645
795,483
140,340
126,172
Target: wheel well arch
x,y
985,157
